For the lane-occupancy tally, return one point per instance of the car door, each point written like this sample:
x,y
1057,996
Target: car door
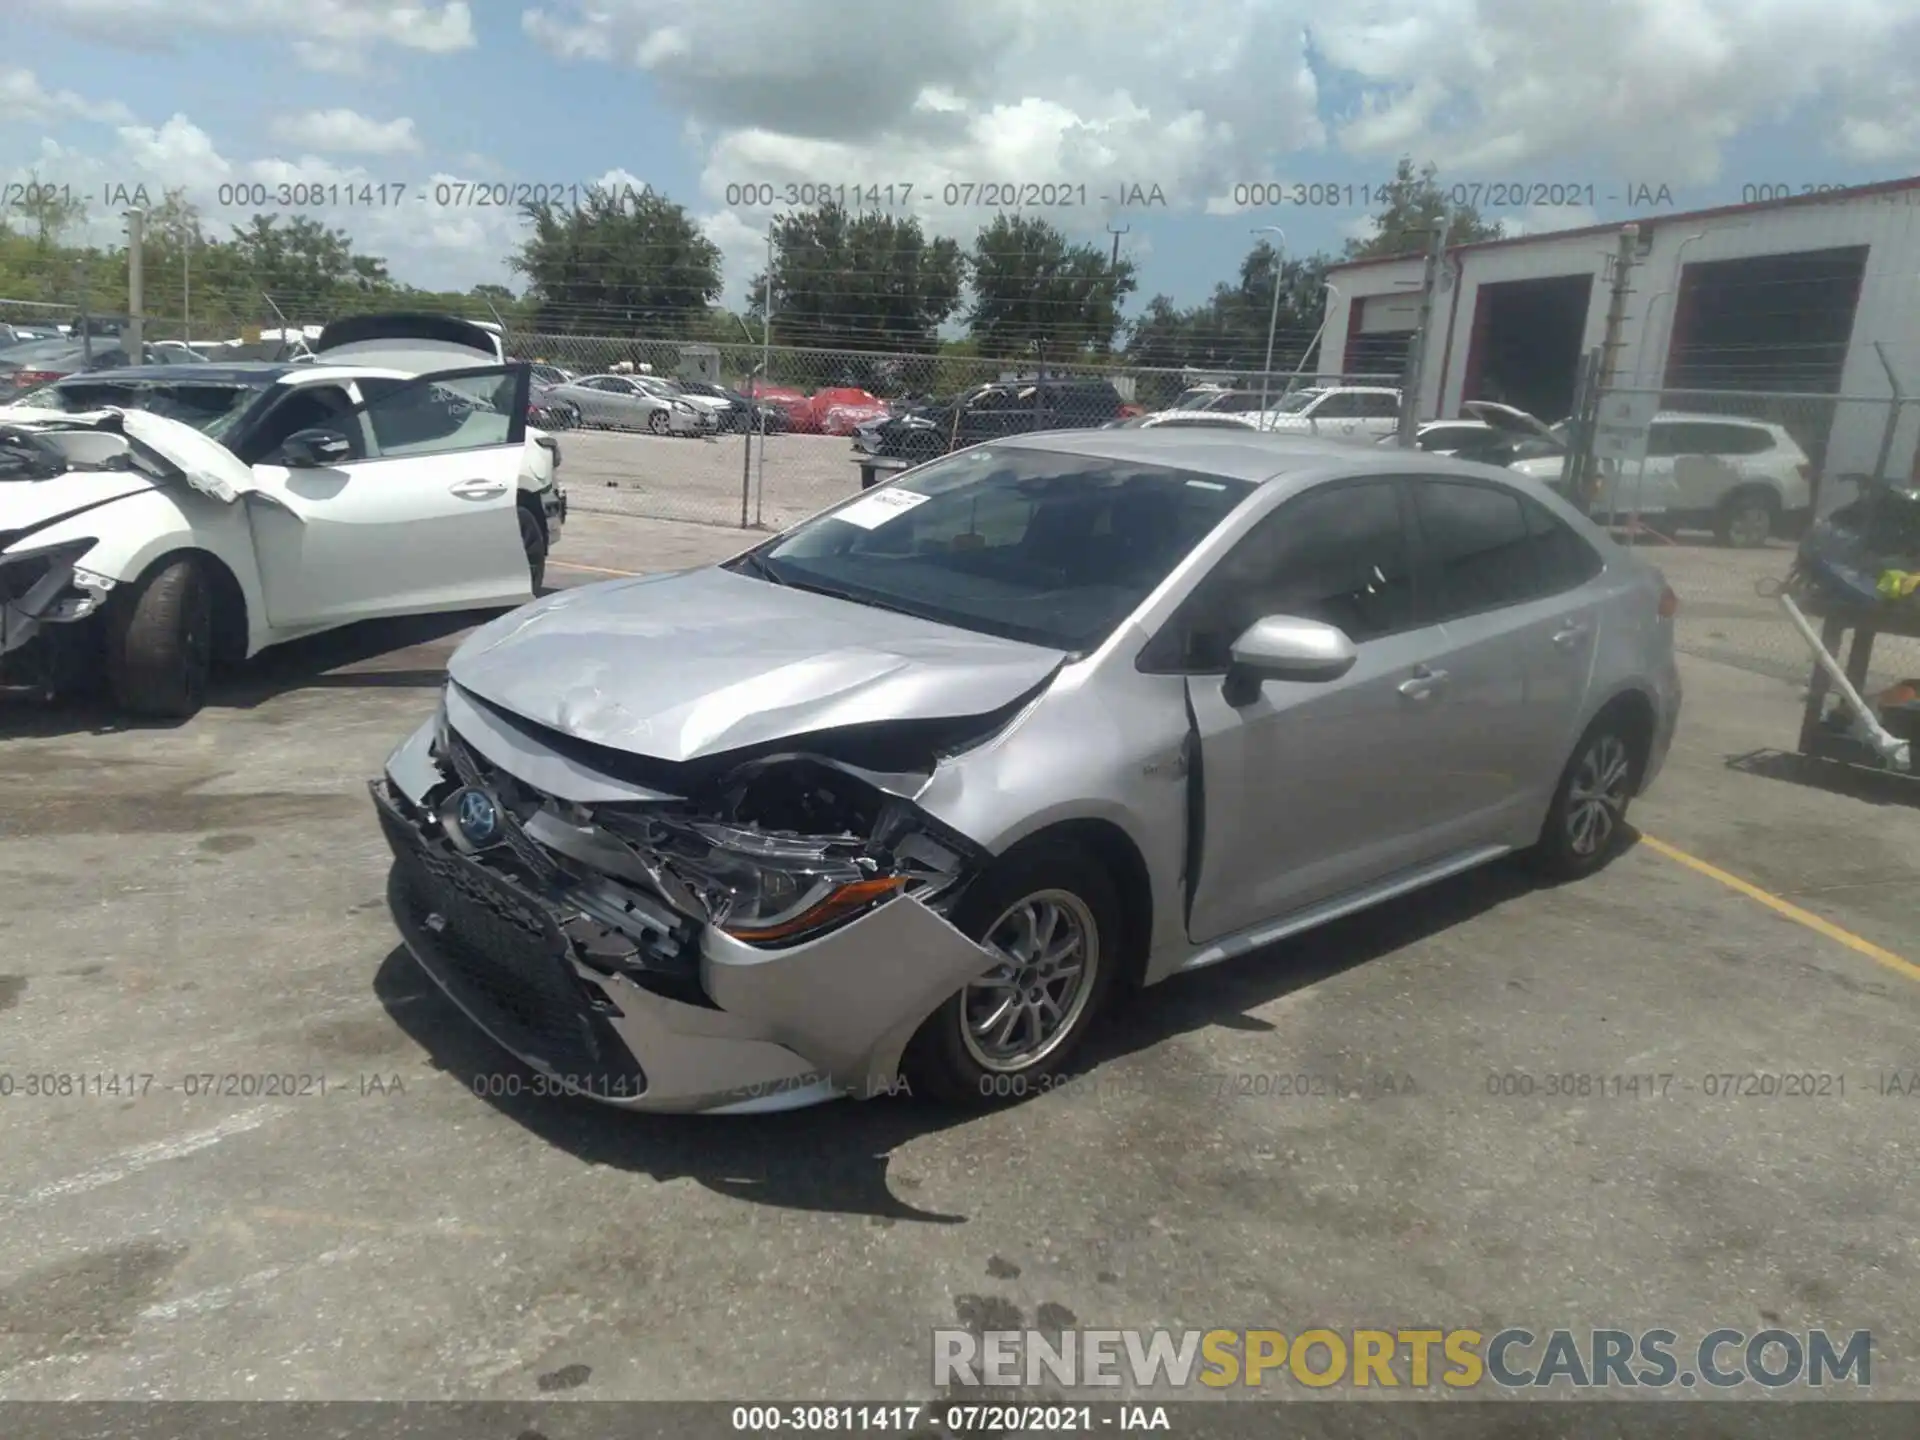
x,y
1336,416
1310,790
1379,414
1515,654
1650,487
421,516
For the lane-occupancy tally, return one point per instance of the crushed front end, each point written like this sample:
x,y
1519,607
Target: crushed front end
x,y
44,595
753,932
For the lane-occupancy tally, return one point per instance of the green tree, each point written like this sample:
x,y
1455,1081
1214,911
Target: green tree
x,y
1415,202
866,281
307,270
48,212
1228,331
632,262
1035,292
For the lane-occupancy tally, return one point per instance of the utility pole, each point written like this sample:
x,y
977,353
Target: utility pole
x,y
1114,264
766,379
131,342
186,287
1422,336
1602,378
83,285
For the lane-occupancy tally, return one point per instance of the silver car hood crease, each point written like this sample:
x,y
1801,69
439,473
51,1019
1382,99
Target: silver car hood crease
x,y
686,666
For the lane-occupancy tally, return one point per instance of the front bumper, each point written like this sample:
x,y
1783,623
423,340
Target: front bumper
x,y
769,1029
42,587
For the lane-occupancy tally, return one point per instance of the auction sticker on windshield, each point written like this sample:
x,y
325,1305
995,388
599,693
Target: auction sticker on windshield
x,y
870,512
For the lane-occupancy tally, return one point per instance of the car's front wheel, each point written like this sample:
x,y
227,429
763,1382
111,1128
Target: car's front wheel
x,y
1054,919
160,642
658,422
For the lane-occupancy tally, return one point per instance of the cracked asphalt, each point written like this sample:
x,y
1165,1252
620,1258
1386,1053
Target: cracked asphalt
x,y
179,906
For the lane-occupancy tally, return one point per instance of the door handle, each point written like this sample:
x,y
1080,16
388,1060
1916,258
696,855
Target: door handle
x,y
1570,633
479,489
1423,683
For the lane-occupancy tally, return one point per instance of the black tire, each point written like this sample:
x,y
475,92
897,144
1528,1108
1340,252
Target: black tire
x,y
533,539
658,423
1747,519
160,642
940,1062
1561,853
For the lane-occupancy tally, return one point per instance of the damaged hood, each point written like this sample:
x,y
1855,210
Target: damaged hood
x,y
177,451
680,667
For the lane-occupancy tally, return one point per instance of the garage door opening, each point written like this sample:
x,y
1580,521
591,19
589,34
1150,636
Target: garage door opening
x,y
1525,347
1380,336
1768,323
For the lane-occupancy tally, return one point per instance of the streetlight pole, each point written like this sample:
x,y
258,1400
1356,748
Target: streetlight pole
x,y
1273,315
766,378
1333,290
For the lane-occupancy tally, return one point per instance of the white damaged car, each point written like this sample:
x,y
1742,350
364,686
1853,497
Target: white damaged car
x,y
158,520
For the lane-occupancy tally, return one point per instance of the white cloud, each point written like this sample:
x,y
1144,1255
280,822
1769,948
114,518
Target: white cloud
x,y
430,236
1647,87
24,99
346,132
327,34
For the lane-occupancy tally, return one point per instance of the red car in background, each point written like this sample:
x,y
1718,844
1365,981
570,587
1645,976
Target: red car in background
x,y
810,417
791,402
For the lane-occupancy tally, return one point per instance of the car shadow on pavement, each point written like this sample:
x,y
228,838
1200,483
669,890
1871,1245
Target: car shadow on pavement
x,y
834,1157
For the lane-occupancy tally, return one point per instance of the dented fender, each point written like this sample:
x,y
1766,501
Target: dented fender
x,y
851,1000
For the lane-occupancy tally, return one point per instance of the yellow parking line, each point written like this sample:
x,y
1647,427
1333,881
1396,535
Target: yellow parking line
x,y
1787,908
592,569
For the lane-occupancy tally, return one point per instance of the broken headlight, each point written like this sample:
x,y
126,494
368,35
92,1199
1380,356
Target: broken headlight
x,y
764,888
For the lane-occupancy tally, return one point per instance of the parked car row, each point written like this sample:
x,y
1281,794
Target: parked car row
x,y
157,520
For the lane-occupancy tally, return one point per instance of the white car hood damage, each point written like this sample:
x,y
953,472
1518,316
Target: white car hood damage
x,y
176,451
681,667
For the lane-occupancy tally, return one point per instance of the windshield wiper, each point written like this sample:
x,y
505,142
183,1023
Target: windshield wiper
x,y
757,565
853,598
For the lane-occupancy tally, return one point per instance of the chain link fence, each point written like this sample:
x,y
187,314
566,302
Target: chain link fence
x,y
794,430
1730,482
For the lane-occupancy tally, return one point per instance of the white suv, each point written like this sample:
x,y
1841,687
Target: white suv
x,y
1360,413
1745,480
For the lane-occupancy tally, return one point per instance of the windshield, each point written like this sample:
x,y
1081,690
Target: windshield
x,y
1031,545
1297,402
209,408
1197,399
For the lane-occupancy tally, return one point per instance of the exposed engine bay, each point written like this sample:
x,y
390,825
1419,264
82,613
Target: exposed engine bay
x,y
773,850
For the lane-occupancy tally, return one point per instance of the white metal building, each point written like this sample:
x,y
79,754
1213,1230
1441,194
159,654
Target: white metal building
x,y
1777,296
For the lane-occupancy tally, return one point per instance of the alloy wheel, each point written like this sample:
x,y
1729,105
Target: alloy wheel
x,y
1597,797
1020,1012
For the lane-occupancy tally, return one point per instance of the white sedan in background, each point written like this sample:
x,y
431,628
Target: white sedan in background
x,y
624,402
157,519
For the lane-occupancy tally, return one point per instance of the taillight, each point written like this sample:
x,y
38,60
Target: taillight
x,y
1669,602
24,378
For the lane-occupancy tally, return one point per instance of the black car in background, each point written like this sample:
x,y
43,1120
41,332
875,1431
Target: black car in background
x,y
992,412
740,413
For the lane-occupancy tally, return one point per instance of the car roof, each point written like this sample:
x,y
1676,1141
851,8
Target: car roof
x,y
1256,457
212,372
1701,417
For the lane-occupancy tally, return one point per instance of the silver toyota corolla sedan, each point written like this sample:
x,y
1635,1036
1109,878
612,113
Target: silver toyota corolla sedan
x,y
906,797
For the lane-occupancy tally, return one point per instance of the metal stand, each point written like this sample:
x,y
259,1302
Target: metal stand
x,y
1867,625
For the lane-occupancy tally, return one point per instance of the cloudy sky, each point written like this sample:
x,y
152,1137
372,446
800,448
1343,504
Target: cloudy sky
x,y
719,106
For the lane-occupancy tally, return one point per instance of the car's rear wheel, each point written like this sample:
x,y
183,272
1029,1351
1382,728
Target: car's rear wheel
x,y
1746,519
1587,822
533,539
1053,917
658,422
160,642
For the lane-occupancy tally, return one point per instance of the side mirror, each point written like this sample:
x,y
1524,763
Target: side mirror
x,y
1282,647
315,448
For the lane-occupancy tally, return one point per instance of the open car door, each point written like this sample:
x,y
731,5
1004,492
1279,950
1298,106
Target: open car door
x,y
404,505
